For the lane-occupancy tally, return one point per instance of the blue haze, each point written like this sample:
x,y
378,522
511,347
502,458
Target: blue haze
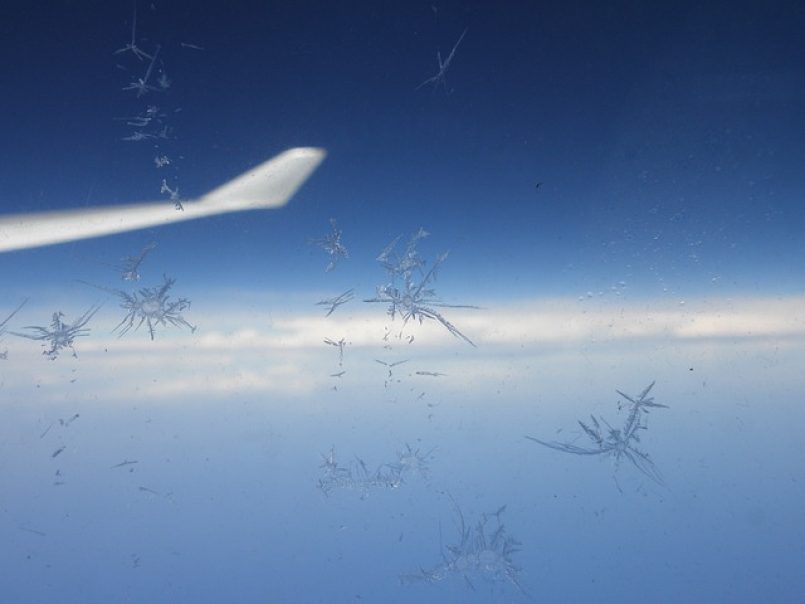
x,y
664,242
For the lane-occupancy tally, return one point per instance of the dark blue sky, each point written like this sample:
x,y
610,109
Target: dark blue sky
x,y
667,139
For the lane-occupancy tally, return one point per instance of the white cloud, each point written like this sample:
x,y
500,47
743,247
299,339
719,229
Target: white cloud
x,y
270,352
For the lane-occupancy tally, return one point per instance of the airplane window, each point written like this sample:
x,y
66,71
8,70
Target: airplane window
x,y
402,302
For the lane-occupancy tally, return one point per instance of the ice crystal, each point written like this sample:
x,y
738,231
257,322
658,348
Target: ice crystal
x,y
340,345
403,266
410,293
144,119
331,243
58,334
412,462
617,443
130,269
173,194
164,81
132,46
4,354
357,476
8,318
137,136
439,78
483,551
141,85
152,306
337,301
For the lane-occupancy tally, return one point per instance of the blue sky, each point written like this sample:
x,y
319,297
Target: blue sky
x,y
665,139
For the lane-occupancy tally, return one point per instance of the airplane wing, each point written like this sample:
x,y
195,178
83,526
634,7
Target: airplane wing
x,y
269,185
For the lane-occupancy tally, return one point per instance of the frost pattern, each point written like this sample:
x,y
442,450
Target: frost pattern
x,y
337,301
141,85
152,306
4,354
340,345
59,335
390,368
484,551
409,292
357,476
413,463
8,318
173,194
132,46
618,443
331,243
439,78
130,270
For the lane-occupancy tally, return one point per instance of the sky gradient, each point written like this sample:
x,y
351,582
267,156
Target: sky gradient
x,y
619,187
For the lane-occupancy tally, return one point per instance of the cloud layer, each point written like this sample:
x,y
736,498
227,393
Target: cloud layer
x,y
269,352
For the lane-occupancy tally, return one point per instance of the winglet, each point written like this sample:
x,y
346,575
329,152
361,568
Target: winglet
x,y
269,185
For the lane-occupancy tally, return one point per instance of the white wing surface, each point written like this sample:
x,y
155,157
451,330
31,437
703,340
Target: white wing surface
x,y
269,185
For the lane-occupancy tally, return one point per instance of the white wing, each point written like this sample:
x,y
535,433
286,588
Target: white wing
x,y
269,185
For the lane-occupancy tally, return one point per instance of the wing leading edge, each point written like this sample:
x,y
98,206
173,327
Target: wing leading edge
x,y
269,185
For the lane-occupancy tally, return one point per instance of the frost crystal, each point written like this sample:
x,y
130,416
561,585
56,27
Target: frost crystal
x,y
358,477
130,269
164,81
59,334
410,293
141,85
411,462
152,306
144,119
340,345
390,368
439,78
334,303
8,318
173,193
410,261
483,551
4,354
331,243
138,136
618,443
132,46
